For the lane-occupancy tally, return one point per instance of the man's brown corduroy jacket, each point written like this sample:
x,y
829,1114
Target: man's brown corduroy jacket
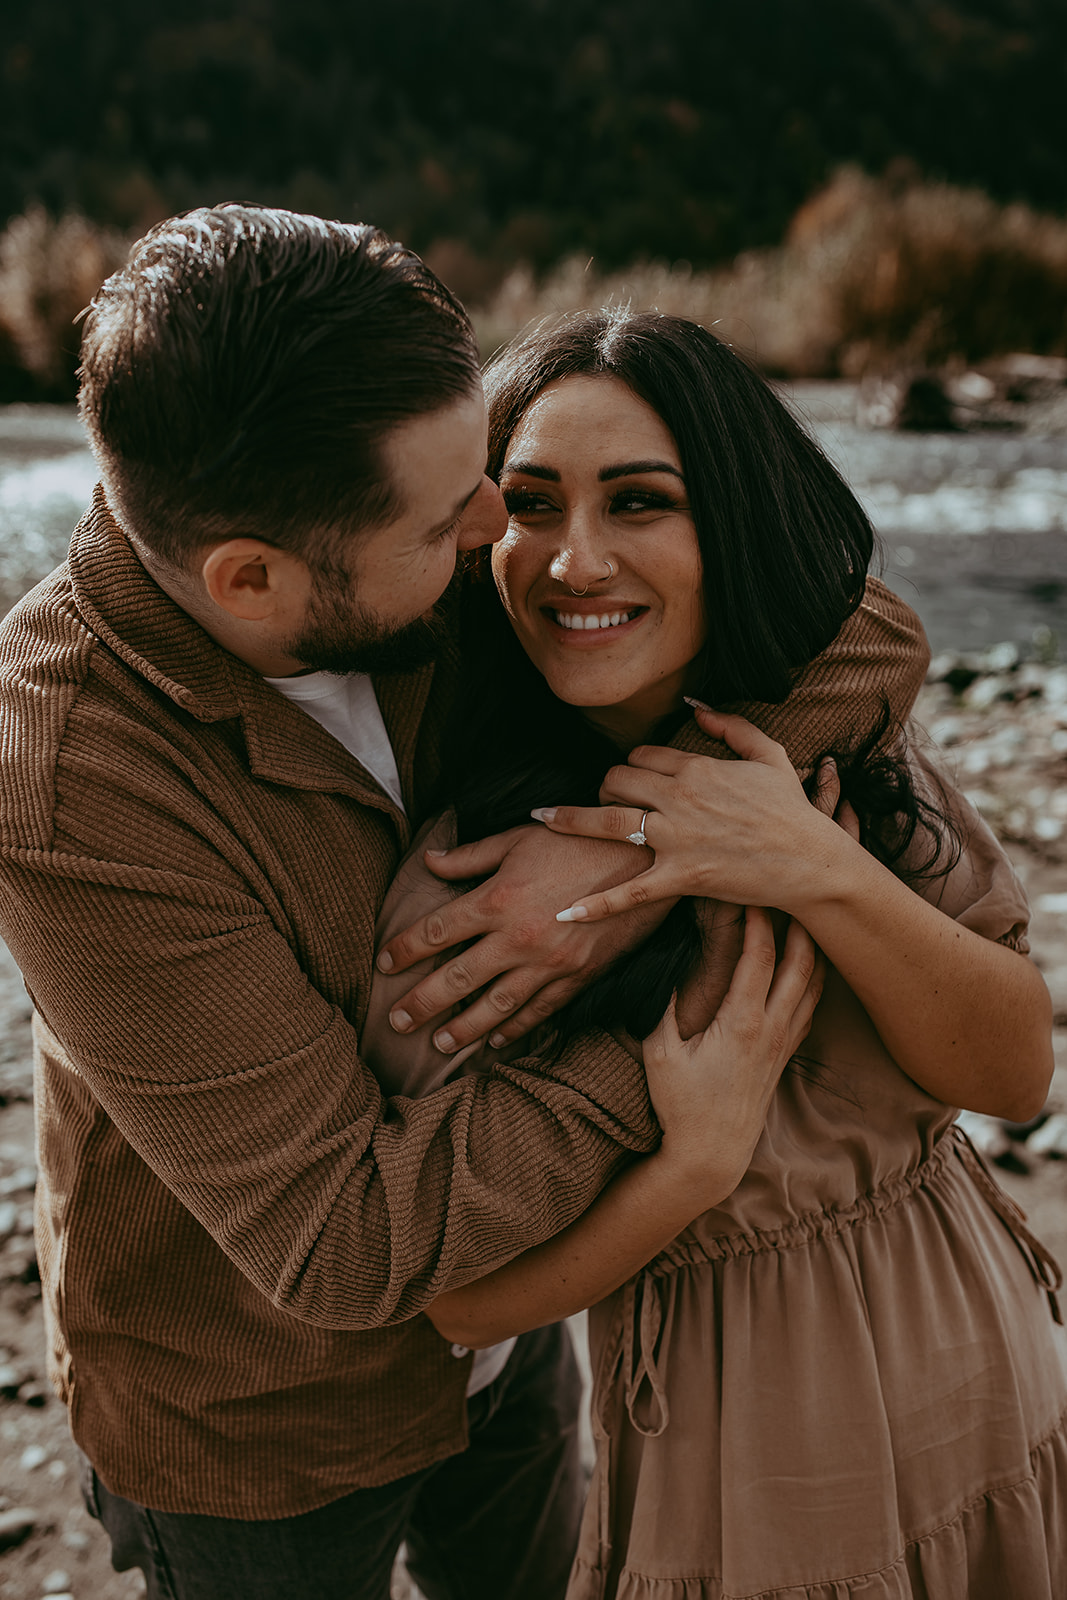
x,y
237,1233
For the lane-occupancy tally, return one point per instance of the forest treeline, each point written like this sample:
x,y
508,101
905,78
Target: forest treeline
x,y
488,133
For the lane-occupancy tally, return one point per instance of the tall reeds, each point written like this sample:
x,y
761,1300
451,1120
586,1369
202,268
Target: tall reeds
x,y
49,271
874,274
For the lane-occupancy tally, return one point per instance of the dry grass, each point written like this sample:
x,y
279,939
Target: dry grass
x,y
49,271
874,274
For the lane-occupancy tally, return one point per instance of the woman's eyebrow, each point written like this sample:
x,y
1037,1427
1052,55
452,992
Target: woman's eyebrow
x,y
628,469
530,469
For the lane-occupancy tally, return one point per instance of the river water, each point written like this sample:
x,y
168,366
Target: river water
x,y
973,525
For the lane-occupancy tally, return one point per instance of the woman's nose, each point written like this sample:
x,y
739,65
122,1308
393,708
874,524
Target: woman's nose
x,y
579,566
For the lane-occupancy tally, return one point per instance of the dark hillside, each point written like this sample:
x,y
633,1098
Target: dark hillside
x,y
625,128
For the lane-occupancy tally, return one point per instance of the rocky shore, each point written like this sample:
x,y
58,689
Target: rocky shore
x,y
1001,722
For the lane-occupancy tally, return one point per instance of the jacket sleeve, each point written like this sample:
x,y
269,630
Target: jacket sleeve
x,y
875,666
166,980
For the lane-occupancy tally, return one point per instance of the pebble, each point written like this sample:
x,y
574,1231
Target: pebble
x,y
1050,1139
32,1457
23,1178
16,1524
1002,722
56,1582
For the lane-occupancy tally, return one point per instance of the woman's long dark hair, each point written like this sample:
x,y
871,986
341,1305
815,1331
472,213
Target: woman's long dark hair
x,y
784,547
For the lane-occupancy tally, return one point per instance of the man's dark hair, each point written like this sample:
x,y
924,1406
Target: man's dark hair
x,y
784,544
240,372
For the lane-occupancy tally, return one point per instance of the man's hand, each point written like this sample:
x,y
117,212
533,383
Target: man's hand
x,y
523,965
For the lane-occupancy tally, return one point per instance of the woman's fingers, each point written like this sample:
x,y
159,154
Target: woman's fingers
x,y
744,739
643,890
664,1037
594,822
798,984
754,972
828,798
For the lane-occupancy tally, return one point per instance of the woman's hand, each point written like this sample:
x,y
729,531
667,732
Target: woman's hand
x,y
742,831
711,1092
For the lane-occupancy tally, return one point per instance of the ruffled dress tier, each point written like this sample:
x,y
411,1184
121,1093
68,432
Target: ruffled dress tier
x,y
843,1382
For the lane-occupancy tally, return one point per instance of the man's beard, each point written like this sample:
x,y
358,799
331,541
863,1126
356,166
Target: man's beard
x,y
340,635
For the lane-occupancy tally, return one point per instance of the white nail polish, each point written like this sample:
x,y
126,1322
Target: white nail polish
x,y
572,914
544,813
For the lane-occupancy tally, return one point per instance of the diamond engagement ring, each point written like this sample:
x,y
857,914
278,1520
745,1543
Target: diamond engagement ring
x,y
639,836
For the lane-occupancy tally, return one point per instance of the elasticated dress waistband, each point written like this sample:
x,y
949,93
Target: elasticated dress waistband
x,y
826,1222
807,1226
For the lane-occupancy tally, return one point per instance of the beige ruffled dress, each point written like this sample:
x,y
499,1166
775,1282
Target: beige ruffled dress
x,y
842,1384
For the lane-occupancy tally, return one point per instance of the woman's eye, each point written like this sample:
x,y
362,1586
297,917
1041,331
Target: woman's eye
x,y
522,503
630,502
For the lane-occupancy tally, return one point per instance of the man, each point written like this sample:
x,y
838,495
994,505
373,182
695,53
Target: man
x,y
236,1232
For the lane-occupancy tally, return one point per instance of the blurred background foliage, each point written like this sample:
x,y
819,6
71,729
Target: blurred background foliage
x,y
838,178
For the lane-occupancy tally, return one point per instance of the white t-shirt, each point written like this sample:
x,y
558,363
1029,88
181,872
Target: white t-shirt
x,y
347,708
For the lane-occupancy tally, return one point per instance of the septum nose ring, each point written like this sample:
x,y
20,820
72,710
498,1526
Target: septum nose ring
x,y
611,573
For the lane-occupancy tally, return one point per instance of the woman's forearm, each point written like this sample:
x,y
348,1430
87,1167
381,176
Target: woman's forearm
x,y
635,1217
968,1019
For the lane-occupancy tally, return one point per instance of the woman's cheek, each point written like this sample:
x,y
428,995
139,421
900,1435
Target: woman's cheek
x,y
510,570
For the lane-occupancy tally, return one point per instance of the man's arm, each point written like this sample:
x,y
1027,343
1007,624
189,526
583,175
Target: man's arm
x,y
180,1004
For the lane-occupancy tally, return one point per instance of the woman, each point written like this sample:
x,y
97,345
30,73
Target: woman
x,y
838,1380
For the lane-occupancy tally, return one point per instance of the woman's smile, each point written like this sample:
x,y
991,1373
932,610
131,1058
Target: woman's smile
x,y
601,619
600,569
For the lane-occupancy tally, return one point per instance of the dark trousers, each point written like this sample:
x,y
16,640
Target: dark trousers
x,y
497,1522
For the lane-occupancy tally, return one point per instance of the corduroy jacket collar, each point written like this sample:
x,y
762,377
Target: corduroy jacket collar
x,y
127,610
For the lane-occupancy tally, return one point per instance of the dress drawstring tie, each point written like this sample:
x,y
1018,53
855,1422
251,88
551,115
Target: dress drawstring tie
x,y
630,1360
1043,1265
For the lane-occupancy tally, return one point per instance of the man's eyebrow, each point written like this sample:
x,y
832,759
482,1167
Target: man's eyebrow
x,y
530,469
627,469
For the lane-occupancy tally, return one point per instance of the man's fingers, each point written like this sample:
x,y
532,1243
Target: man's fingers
x,y
485,1015
744,739
434,997
476,860
451,924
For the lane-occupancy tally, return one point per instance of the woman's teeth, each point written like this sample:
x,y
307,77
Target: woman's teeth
x,y
610,619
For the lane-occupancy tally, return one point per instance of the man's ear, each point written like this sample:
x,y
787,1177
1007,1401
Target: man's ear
x,y
252,580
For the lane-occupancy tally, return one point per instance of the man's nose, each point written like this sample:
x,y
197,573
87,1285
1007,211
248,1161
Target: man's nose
x,y
485,519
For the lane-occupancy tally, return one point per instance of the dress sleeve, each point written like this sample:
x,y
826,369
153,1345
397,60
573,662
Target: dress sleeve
x,y
972,880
